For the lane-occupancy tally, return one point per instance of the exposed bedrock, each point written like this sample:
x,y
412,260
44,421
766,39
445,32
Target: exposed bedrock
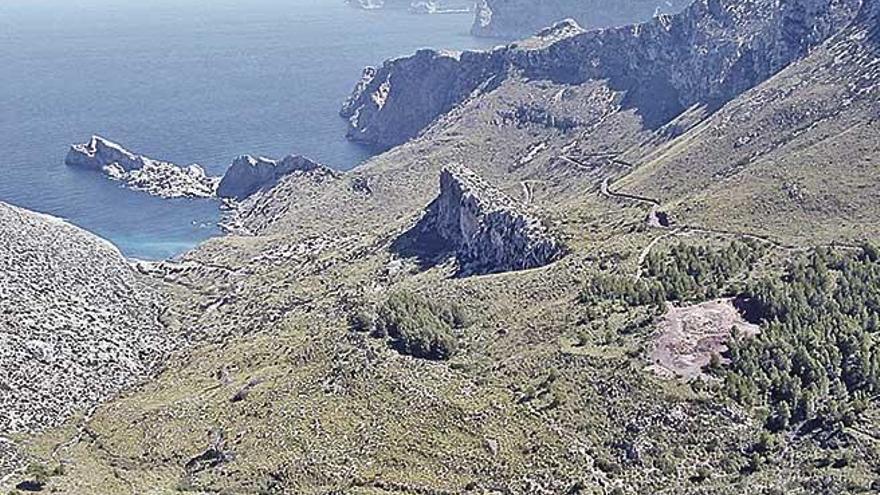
x,y
140,173
245,176
248,174
519,18
708,54
77,323
486,230
392,103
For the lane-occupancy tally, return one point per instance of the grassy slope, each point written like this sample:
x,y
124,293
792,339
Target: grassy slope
x,y
795,158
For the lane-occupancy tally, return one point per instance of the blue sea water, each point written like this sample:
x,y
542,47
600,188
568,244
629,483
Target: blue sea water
x,y
188,81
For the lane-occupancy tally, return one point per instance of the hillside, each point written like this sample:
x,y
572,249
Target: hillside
x,y
77,324
367,332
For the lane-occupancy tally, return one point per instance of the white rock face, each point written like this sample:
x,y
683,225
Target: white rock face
x,y
248,174
77,324
140,173
486,230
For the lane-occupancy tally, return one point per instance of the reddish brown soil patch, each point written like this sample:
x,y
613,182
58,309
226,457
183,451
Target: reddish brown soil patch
x,y
689,336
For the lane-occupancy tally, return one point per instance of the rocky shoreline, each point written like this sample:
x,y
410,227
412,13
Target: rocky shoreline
x,y
245,176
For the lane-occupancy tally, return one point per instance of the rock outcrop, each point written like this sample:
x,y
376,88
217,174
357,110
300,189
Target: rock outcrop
x,y
245,176
487,231
708,54
392,103
520,18
140,173
248,175
77,323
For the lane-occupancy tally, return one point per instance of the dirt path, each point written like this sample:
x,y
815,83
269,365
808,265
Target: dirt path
x,y
527,192
606,190
647,250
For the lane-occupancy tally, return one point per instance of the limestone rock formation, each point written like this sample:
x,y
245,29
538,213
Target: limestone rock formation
x,y
706,55
488,231
248,174
141,173
391,104
77,323
520,18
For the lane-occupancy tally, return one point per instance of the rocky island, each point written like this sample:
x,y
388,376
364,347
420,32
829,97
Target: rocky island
x,y
244,177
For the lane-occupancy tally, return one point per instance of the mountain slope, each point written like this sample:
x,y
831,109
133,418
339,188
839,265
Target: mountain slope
x,y
706,55
77,323
300,386
795,158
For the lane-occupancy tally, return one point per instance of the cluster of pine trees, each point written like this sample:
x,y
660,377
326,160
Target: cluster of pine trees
x,y
414,325
816,361
684,273
700,273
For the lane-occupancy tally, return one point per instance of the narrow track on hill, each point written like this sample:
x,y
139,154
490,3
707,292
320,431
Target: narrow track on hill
x,y
606,189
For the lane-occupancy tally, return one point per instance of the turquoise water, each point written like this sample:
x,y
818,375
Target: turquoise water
x,y
186,81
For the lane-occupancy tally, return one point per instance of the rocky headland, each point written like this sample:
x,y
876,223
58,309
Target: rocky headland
x,y
244,177
704,56
753,123
140,173
249,174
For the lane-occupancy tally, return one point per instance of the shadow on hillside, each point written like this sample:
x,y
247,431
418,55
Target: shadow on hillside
x,y
422,244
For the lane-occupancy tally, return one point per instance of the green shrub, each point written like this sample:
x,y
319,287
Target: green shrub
x,y
364,320
417,327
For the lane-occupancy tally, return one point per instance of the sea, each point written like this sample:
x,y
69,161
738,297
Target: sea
x,y
186,81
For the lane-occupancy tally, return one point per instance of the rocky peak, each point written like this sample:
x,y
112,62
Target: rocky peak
x,y
248,174
485,229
